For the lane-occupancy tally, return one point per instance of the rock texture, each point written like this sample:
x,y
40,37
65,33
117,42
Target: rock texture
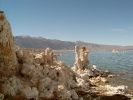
x,y
7,51
81,58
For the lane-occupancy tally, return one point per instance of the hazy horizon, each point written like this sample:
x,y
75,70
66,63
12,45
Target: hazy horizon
x,y
69,41
93,21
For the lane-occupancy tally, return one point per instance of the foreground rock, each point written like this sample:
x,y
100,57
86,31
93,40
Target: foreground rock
x,y
41,76
7,51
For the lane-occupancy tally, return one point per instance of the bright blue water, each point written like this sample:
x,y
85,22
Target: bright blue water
x,y
121,62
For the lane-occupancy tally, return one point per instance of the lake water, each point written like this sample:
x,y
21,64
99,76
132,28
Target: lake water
x,y
120,63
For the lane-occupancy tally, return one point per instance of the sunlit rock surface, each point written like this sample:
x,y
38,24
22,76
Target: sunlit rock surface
x,y
7,50
81,58
12,86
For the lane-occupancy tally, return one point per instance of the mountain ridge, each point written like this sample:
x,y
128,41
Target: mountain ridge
x,y
41,42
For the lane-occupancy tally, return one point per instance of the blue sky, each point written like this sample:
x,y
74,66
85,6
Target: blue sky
x,y
96,21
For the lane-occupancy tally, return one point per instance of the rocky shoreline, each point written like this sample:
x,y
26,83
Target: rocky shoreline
x,y
30,75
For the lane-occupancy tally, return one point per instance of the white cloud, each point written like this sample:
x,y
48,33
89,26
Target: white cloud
x,y
119,30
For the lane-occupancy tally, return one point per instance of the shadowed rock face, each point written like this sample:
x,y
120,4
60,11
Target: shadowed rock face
x,y
114,97
7,52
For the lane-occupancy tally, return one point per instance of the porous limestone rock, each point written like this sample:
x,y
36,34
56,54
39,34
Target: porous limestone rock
x,y
109,90
12,86
45,58
19,55
28,57
49,54
40,59
1,96
81,58
115,90
28,69
30,93
84,57
83,84
77,63
48,77
74,95
63,93
47,88
7,53
98,80
54,79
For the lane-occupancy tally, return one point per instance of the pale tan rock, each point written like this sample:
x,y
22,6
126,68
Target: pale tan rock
x,y
60,87
40,59
63,93
12,86
47,88
49,54
81,98
1,96
98,80
104,80
77,63
28,57
7,51
81,58
74,95
44,83
19,54
30,93
28,69
84,57
112,90
83,84
85,74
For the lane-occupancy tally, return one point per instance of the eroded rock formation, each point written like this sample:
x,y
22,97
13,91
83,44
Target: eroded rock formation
x,y
81,58
7,51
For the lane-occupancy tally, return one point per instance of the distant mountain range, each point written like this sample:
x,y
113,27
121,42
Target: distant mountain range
x,y
39,42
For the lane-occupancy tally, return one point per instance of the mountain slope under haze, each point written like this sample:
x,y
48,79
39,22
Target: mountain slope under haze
x,y
39,42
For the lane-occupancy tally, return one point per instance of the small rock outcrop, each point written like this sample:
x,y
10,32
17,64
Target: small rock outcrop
x,y
81,58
